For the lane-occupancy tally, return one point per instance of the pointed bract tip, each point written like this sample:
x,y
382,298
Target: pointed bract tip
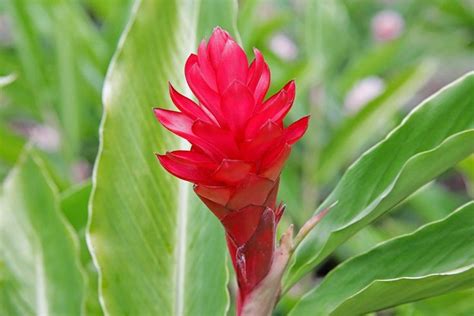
x,y
160,157
192,59
305,121
296,130
172,91
219,29
234,87
157,111
219,32
159,114
290,88
256,52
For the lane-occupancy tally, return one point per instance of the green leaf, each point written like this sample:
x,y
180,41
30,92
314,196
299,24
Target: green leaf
x,y
323,19
467,168
80,60
434,137
11,145
40,272
436,259
158,253
6,80
434,201
27,42
454,303
214,13
74,205
357,130
61,58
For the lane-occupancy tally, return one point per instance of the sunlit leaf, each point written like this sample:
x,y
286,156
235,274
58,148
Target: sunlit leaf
x,y
74,205
40,272
433,138
457,303
436,259
157,252
6,80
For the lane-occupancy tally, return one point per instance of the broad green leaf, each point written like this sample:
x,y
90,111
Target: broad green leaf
x,y
157,252
40,272
432,138
74,205
430,203
357,130
436,259
458,303
6,80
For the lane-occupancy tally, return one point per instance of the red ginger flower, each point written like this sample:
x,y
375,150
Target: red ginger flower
x,y
239,147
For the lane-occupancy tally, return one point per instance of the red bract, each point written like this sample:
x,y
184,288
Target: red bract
x,y
239,147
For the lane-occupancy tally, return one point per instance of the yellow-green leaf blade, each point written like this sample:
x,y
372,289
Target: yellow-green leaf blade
x,y
436,259
40,269
158,253
433,138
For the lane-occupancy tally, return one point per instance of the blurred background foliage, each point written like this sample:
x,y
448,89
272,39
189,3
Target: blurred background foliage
x,y
360,66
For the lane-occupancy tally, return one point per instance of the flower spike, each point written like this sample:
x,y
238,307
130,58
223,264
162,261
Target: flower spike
x,y
239,147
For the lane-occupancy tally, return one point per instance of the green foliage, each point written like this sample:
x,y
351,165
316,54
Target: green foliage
x,y
144,213
74,205
351,136
453,303
40,270
59,56
131,239
404,269
422,147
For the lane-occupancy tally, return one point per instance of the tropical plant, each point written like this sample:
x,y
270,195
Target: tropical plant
x,y
384,222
